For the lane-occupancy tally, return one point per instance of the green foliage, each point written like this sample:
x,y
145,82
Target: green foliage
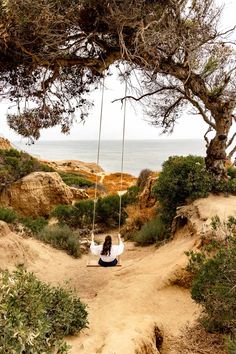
x,y
61,237
153,231
35,225
131,196
231,345
8,215
73,179
182,179
16,164
214,279
107,210
78,215
35,317
231,172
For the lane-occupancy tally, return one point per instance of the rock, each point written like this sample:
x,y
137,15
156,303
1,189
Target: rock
x,y
112,182
5,144
196,218
74,166
146,199
38,193
4,229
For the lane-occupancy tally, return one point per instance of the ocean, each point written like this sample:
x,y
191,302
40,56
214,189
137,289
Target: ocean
x,y
138,154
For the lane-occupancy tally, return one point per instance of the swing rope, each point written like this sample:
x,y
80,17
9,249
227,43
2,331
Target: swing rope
x,y
98,154
122,157
120,193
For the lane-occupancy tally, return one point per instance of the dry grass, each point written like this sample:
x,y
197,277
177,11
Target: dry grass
x,y
195,340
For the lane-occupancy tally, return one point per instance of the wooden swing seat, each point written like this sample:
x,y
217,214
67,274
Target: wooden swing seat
x,y
94,263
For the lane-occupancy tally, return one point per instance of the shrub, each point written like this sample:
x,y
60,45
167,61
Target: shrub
x,y
61,237
35,317
8,215
215,278
107,210
152,232
72,179
35,225
17,164
214,288
131,196
182,179
231,172
78,215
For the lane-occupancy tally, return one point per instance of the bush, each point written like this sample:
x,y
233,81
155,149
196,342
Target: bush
x,y
72,179
35,317
107,210
78,215
61,237
35,225
8,215
215,278
152,232
214,288
182,179
231,172
17,164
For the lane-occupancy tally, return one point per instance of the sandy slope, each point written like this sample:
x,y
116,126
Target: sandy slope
x,y
124,303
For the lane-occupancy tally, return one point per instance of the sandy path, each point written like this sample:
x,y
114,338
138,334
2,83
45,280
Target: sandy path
x,y
124,303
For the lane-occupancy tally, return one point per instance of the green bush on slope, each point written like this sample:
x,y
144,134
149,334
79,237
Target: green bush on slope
x,y
35,317
16,164
214,280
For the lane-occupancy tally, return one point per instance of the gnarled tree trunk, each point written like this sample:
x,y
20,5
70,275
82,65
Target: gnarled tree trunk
x,y
216,151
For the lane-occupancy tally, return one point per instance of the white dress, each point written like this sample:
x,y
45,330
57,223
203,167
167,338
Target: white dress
x,y
116,250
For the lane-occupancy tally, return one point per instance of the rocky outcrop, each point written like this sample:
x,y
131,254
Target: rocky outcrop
x,y
5,144
37,193
113,182
146,198
195,219
87,169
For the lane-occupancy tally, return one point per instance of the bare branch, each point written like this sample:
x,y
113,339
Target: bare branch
x,y
231,153
205,136
231,140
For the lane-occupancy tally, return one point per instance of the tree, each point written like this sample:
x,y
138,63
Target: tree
x,y
54,52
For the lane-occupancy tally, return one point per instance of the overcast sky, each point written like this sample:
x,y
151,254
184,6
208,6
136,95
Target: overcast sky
x,y
136,127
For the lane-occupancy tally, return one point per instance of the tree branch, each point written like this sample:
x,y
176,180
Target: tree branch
x,y
205,136
231,140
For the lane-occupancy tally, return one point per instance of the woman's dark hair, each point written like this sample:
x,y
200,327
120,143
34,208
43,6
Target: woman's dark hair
x,y
106,249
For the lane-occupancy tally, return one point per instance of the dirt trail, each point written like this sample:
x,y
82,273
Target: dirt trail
x,y
125,304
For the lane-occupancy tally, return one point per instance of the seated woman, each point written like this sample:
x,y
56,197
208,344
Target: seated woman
x,y
108,253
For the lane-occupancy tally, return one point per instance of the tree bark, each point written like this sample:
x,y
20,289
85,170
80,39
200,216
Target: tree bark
x,y
216,151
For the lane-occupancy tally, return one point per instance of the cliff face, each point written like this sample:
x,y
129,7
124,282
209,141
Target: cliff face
x,y
37,193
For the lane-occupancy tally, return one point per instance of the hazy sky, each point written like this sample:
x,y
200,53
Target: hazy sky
x,y
136,127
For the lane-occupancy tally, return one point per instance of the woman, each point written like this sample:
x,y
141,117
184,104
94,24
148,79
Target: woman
x,y
108,253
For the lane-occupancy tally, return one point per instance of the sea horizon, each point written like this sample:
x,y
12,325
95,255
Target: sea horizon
x,y
139,154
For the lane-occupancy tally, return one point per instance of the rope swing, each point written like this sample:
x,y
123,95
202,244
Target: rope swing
x,y
98,154
121,192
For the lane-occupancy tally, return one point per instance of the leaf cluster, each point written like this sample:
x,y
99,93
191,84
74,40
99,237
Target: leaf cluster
x,y
16,164
36,317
